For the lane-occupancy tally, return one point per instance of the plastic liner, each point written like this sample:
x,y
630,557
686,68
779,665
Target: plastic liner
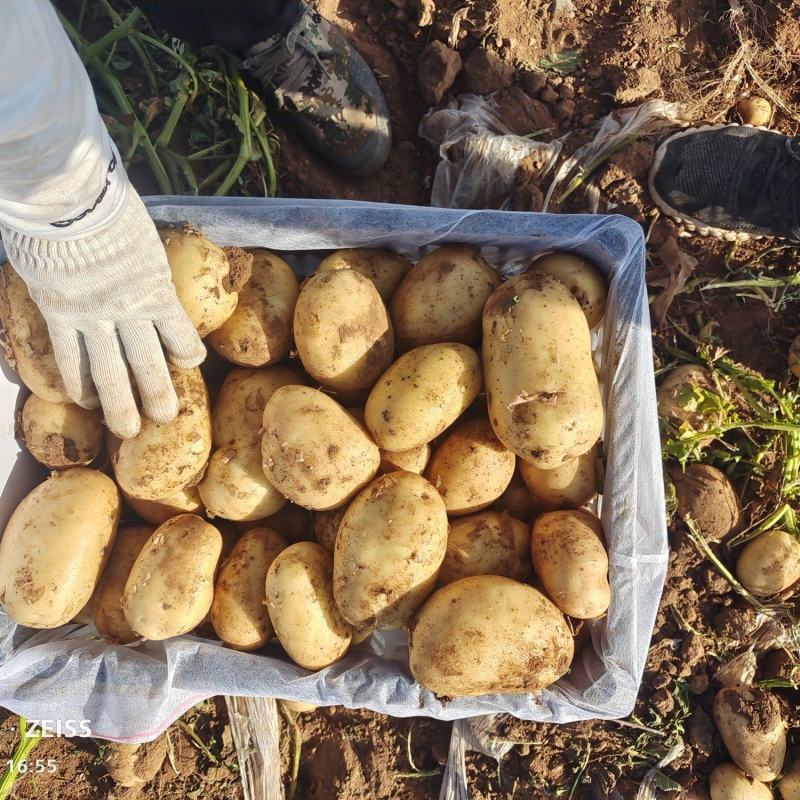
x,y
478,154
132,693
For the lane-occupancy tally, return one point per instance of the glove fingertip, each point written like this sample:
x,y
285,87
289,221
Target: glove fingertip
x,y
125,429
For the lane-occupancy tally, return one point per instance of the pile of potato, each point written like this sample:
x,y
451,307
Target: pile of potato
x,y
419,460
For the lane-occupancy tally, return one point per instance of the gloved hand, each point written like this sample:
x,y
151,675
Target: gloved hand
x,y
106,299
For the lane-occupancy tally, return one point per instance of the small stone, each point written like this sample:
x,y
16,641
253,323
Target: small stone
x,y
438,68
566,92
754,111
699,682
533,82
548,95
485,72
520,113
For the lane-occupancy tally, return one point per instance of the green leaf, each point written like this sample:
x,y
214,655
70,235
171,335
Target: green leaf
x,y
564,62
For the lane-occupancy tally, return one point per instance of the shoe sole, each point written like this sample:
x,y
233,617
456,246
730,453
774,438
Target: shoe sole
x,y
692,224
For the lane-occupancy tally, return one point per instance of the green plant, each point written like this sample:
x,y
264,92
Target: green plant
x,y
184,114
29,738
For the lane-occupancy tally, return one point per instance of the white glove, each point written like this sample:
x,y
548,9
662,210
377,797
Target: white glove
x,y
107,298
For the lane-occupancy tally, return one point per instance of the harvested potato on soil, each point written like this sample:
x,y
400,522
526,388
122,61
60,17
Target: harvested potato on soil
x,y
584,281
164,459
754,111
259,331
544,398
326,526
487,543
55,546
131,765
239,611
171,584
707,497
385,269
157,512
107,613
391,543
753,730
676,403
516,500
422,394
442,298
342,331
26,341
61,434
488,634
471,468
206,280
769,564
301,607
789,784
570,558
728,782
234,485
313,451
570,485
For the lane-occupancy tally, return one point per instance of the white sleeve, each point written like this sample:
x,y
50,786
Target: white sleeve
x,y
60,175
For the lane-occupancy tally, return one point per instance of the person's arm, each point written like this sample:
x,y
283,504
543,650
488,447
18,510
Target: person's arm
x,y
77,232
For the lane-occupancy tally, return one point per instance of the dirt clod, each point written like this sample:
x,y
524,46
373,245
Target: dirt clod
x,y
438,68
485,72
636,85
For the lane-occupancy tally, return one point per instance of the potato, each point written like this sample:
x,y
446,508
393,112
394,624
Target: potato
x,y
584,281
470,469
487,543
259,331
55,546
206,282
544,398
107,607
789,784
297,706
728,782
769,564
422,394
326,526
516,500
390,545
707,497
171,584
442,298
234,485
294,523
301,608
26,340
569,557
313,451
385,269
342,331
676,403
157,512
752,729
130,765
61,434
571,485
239,612
488,634
415,459
163,459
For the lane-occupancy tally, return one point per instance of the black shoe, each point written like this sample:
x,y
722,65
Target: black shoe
x,y
730,181
329,90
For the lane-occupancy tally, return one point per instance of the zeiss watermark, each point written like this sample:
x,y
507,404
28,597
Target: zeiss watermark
x,y
50,728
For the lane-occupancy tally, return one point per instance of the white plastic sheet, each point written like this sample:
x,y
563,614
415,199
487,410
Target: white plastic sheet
x,y
132,693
